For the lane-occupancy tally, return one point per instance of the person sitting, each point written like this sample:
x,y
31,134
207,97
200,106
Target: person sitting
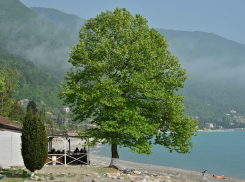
x,y
76,151
84,150
53,151
81,151
222,176
204,172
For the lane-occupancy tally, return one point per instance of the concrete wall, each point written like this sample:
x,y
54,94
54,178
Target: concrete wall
x,y
10,148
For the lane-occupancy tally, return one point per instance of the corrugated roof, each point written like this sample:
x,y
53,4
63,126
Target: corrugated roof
x,y
7,124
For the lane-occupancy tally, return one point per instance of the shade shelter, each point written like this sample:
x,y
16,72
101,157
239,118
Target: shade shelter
x,y
66,156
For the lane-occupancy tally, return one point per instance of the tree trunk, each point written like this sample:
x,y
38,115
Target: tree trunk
x,y
32,175
114,155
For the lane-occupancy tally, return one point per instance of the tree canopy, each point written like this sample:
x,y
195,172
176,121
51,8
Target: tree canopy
x,y
125,78
32,106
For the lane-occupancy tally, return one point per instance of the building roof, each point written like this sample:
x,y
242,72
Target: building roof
x,y
6,124
65,136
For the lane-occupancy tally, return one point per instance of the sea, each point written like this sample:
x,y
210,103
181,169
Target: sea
x,y
220,153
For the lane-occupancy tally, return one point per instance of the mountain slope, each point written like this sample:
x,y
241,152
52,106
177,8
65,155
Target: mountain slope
x,y
68,21
35,84
207,54
35,38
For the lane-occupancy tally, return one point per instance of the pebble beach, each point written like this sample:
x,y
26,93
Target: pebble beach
x,y
173,174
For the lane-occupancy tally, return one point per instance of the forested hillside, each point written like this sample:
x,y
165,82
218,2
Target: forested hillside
x,y
211,98
35,84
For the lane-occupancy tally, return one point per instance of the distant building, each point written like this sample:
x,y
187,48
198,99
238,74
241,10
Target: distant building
x,y
24,102
233,111
195,117
66,109
209,125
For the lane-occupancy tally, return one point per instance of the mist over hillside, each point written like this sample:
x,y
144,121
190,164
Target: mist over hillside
x,y
207,55
35,38
35,83
68,21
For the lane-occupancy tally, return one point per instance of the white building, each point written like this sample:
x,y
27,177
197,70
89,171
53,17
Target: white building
x,y
10,143
66,109
209,125
24,102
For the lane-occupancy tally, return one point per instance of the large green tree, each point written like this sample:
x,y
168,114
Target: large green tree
x,y
34,142
124,77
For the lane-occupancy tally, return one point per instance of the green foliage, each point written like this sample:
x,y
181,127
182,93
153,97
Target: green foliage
x,y
125,78
25,174
16,113
32,106
2,84
9,79
34,147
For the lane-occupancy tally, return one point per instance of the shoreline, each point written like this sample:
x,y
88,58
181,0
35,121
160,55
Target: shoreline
x,y
220,130
173,173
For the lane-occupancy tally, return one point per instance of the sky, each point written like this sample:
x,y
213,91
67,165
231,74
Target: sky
x,y
225,18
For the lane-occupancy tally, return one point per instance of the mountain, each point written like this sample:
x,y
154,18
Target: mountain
x,y
68,21
35,38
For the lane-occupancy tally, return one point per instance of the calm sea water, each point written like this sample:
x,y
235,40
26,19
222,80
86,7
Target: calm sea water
x,y
221,153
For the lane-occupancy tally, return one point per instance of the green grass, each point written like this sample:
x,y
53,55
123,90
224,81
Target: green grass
x,y
19,171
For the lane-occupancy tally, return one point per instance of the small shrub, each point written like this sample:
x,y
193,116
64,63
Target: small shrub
x,y
25,174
